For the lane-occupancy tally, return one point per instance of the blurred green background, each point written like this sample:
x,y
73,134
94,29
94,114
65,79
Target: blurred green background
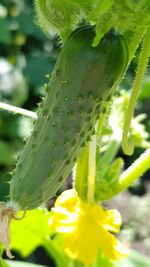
x,y
26,56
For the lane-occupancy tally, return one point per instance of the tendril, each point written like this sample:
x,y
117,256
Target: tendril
x,y
128,147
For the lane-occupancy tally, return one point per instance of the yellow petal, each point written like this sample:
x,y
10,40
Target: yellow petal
x,y
121,250
62,220
112,248
68,200
112,221
83,243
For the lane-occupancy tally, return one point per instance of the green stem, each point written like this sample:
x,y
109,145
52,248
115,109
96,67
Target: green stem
x,y
140,166
55,253
128,148
17,110
1,251
81,173
91,169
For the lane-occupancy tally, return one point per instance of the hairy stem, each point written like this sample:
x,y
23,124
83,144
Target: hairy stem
x,y
128,148
140,166
54,252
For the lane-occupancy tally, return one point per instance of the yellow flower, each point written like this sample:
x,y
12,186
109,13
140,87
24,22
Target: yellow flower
x,y
86,228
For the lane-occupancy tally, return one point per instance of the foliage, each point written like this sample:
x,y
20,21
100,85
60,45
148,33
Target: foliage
x,y
31,232
108,143
106,14
26,56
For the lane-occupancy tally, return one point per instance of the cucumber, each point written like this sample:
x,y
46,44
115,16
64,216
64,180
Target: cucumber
x,y
82,80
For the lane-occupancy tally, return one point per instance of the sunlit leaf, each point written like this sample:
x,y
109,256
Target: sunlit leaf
x,y
30,232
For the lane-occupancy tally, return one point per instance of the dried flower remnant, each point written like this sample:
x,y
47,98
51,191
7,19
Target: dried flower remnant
x,y
8,211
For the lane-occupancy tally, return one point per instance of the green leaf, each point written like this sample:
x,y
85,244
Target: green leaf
x,y
30,232
103,161
61,15
106,187
137,134
107,172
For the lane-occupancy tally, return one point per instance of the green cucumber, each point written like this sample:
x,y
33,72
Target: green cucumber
x,y
83,79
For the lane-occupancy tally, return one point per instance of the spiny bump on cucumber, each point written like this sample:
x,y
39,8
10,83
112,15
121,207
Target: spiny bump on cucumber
x,y
81,82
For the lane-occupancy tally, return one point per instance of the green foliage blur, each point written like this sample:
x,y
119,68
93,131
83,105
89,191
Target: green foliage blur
x,y
26,56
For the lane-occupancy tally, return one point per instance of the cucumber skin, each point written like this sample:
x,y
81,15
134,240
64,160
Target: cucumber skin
x,y
81,81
